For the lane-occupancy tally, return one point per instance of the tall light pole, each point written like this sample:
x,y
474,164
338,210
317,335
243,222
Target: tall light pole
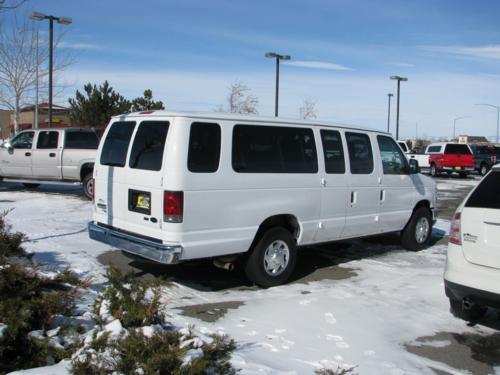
x,y
389,112
63,21
455,123
498,116
399,79
278,57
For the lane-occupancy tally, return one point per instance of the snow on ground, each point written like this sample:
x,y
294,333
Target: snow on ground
x,y
55,218
391,298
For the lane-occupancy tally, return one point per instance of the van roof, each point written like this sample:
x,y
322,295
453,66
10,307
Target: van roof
x,y
243,118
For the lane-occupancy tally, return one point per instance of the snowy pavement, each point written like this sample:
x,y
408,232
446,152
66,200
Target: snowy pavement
x,y
366,304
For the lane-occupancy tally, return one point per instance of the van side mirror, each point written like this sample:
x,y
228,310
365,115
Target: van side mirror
x,y
414,168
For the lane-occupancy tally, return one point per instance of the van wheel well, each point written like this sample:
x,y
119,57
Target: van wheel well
x,y
85,170
425,204
286,221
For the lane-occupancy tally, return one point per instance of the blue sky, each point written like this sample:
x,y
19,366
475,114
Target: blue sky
x,y
343,52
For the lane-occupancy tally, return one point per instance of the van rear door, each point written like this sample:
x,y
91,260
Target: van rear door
x,y
129,193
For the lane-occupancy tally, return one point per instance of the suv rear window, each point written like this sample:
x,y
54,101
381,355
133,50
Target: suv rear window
x,y
273,149
81,140
487,194
149,143
114,150
457,149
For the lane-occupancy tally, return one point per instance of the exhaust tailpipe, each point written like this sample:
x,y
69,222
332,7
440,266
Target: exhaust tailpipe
x,y
228,266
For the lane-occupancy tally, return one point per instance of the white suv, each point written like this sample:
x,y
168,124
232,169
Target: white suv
x,y
472,275
172,187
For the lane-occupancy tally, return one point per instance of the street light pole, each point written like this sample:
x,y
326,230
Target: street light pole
x,y
498,116
63,21
399,79
278,57
389,112
455,123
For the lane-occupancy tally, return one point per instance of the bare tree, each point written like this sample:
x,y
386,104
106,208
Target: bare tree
x,y
239,100
308,109
10,4
21,58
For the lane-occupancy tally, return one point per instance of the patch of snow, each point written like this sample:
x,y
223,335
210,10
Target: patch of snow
x,y
192,354
3,327
114,328
62,368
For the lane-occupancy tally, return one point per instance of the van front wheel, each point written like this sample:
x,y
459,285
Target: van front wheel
x,y
418,231
272,260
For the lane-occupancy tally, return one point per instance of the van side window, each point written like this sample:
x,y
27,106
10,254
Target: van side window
x,y
114,150
148,146
204,148
273,149
47,140
360,153
333,151
393,160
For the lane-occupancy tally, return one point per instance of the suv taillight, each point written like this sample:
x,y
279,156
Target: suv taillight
x,y
455,233
173,206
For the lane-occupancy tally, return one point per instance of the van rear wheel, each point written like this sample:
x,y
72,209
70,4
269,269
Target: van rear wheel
x,y
418,231
272,260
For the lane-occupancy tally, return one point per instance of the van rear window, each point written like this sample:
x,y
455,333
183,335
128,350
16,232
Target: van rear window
x,y
273,149
487,194
149,143
114,150
457,149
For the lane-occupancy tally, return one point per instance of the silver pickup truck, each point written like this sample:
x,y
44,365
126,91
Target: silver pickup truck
x,y
50,155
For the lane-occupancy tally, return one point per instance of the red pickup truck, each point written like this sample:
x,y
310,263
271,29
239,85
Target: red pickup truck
x,y
450,157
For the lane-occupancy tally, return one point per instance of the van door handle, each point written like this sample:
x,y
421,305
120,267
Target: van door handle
x,y
323,182
353,197
27,154
382,195
52,155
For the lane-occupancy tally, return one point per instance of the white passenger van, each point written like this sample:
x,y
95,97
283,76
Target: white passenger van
x,y
172,187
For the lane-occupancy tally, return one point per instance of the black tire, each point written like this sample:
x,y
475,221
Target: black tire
x,y
417,234
484,169
88,186
470,315
256,266
30,185
433,171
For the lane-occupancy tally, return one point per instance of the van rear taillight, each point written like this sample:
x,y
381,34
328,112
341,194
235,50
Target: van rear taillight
x,y
173,206
455,232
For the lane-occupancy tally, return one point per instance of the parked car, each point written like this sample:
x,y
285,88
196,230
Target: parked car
x,y
450,157
485,157
56,155
472,275
421,156
172,187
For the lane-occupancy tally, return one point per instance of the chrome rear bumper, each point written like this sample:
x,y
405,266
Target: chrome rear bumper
x,y
156,251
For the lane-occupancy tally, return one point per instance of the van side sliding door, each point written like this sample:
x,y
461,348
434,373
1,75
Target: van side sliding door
x,y
364,191
334,195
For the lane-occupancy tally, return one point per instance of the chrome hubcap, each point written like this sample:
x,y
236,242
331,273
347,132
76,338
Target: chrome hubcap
x,y
422,230
276,258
